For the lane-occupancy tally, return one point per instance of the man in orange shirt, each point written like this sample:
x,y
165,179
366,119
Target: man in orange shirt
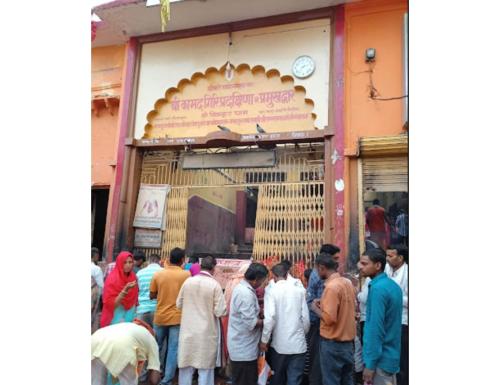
x,y
336,311
165,287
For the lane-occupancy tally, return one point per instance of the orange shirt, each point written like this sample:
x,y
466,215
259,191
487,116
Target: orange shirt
x,y
338,309
167,283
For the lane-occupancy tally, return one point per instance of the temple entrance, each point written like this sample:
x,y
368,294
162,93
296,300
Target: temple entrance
x,y
243,212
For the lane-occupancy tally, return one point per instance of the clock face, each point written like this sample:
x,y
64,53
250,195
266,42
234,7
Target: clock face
x,y
303,66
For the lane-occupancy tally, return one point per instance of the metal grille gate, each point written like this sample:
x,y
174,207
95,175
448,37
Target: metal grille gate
x,y
290,208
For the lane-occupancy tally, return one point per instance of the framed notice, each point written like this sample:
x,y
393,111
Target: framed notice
x,y
151,205
147,238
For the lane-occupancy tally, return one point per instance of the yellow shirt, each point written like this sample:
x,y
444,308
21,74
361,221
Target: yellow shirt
x,y
122,344
167,283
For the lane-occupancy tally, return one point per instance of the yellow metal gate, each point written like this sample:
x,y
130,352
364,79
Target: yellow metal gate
x,y
289,221
290,208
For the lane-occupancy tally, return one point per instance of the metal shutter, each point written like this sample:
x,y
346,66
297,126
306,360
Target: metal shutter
x,y
385,174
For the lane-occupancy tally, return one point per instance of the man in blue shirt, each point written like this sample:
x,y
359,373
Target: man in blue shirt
x,y
139,259
147,306
315,289
382,332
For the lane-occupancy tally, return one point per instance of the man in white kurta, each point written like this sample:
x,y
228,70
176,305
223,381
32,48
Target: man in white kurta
x,y
119,349
202,303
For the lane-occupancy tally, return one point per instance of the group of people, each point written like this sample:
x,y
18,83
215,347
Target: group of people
x,y
308,334
385,228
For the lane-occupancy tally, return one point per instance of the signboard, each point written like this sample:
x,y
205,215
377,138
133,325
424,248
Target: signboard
x,y
151,205
225,268
252,96
147,238
229,160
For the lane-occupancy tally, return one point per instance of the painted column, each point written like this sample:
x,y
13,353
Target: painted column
x,y
123,126
337,158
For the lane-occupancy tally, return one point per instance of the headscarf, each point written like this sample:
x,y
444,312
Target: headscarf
x,y
115,282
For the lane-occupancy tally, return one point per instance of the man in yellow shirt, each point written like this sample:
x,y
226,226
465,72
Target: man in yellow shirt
x,y
121,349
165,287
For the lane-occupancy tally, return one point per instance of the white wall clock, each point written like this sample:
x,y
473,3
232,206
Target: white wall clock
x,y
303,67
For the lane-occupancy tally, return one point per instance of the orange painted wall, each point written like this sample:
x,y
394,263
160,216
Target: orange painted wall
x,y
373,24
107,66
370,24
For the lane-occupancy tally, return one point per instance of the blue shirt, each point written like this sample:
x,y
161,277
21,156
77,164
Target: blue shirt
x,y
315,289
382,332
144,277
242,335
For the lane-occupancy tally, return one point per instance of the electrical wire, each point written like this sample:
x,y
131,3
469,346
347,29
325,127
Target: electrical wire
x,y
395,98
374,94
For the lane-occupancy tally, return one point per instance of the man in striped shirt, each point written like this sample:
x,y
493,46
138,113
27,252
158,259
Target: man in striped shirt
x,y
147,306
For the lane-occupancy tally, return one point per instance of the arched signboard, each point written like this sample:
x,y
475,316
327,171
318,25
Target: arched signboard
x,y
253,96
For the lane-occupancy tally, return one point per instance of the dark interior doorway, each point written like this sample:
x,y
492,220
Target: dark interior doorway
x,y
99,211
251,209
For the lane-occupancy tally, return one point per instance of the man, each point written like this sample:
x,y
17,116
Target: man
x,y
165,287
397,269
139,259
147,306
97,284
402,226
289,278
95,270
245,326
337,313
382,333
202,303
286,317
376,219
315,289
121,349
95,255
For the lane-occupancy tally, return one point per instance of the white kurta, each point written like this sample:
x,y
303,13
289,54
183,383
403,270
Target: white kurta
x,y
124,344
201,301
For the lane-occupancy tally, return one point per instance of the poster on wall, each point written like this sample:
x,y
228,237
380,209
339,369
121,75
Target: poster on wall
x,y
151,205
147,238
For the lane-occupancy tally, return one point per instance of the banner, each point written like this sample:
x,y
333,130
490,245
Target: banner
x,y
225,268
151,206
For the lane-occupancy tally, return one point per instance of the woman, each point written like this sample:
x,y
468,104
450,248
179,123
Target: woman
x,y
193,265
120,292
